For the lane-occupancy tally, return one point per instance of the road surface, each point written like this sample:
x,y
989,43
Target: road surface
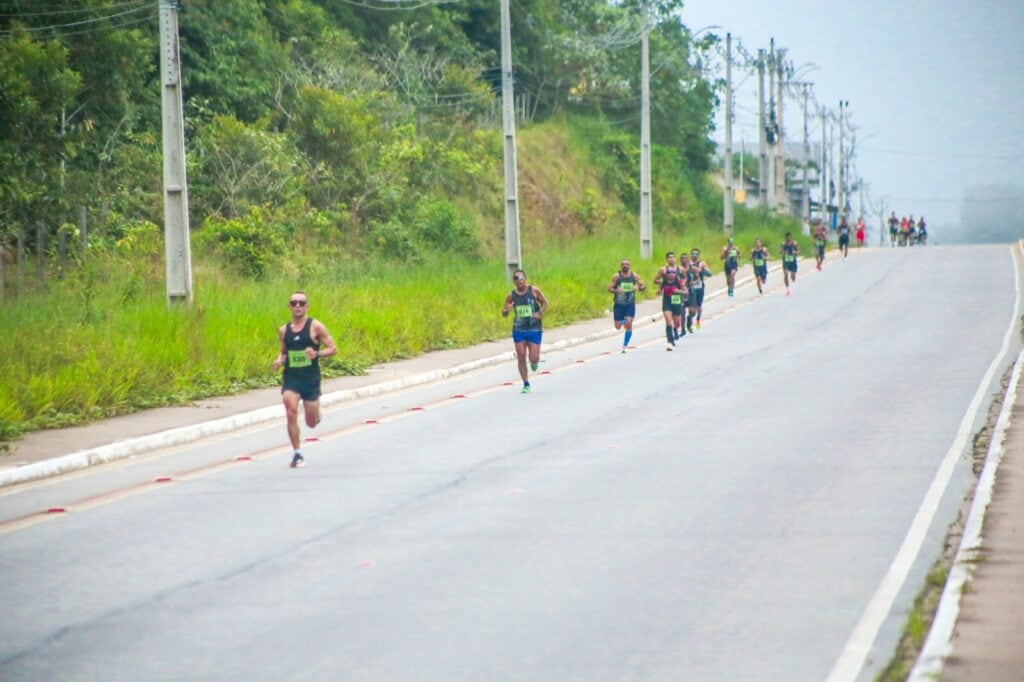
x,y
736,509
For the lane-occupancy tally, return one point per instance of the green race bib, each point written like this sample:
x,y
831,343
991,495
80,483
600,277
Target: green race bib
x,y
627,287
788,258
297,358
677,299
759,262
524,311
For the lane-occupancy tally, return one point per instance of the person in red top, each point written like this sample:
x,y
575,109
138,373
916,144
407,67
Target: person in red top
x,y
904,231
861,231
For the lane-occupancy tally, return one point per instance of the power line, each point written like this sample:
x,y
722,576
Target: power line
x,y
397,5
57,27
56,10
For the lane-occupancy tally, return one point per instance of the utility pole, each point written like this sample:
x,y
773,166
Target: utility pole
x,y
513,251
762,139
841,204
781,198
773,138
823,174
646,243
176,230
727,210
806,212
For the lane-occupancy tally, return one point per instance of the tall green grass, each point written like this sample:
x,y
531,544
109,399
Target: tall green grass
x,y
104,341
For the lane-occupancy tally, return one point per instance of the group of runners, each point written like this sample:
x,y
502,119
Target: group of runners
x,y
905,232
303,341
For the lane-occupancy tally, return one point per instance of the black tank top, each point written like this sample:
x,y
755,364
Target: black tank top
x,y
524,306
297,365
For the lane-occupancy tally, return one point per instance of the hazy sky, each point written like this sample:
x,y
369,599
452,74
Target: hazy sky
x,y
936,88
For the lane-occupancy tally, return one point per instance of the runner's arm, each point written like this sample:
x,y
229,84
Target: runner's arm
x,y
508,306
322,336
537,294
614,286
279,360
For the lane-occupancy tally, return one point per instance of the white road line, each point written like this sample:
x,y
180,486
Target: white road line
x,y
939,644
851,661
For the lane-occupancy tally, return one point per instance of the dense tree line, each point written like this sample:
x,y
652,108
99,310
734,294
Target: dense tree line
x,y
367,127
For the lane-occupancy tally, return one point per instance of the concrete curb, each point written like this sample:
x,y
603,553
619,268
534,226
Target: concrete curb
x,y
939,643
183,435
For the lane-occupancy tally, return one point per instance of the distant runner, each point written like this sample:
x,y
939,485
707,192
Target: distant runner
x,y
701,271
731,256
301,341
759,257
625,284
911,230
790,250
894,228
673,293
844,237
670,266
820,240
528,304
922,232
861,234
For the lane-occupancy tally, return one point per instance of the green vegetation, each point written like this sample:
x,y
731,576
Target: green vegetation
x,y
918,624
351,153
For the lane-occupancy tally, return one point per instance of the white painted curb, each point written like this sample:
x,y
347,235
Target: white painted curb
x,y
939,644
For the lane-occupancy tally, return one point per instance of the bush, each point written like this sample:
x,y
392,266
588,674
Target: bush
x,y
247,242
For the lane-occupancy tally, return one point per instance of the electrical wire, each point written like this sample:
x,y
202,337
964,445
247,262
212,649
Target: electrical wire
x,y
94,20
56,10
397,5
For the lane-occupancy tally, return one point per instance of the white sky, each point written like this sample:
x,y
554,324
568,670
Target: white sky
x,y
936,88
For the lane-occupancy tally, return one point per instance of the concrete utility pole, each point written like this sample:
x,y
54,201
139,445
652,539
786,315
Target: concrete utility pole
x,y
762,138
842,157
806,212
781,198
513,250
823,174
646,241
727,209
773,139
176,230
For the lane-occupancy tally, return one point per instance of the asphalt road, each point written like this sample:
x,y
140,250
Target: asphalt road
x,y
726,511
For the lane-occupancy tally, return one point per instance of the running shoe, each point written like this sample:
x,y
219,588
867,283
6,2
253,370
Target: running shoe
x,y
689,328
668,346
526,388
698,325
534,365
676,333
623,349
297,461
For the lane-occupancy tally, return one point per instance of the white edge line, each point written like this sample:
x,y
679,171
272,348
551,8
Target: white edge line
x,y
851,661
183,435
939,644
